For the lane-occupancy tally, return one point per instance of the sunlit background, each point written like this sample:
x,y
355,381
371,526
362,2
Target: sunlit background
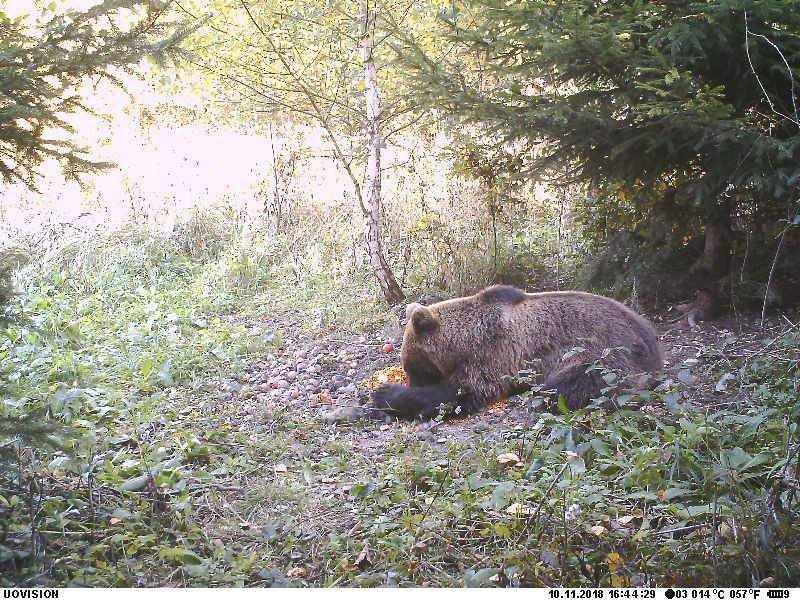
x,y
164,168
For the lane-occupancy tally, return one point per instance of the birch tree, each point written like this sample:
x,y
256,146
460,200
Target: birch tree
x,y
327,63
386,280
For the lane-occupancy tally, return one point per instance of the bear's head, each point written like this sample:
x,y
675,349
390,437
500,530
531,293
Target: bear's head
x,y
440,337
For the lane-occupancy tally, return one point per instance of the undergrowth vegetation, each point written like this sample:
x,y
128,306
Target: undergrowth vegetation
x,y
108,339
136,448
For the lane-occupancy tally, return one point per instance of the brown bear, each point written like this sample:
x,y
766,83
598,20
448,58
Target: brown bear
x,y
468,351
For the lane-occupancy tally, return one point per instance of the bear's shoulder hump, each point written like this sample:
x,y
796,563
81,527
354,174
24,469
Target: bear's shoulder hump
x,y
502,294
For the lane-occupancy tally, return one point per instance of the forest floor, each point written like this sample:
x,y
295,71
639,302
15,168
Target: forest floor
x,y
335,500
219,439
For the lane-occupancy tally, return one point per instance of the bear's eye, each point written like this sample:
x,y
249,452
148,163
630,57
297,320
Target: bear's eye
x,y
424,321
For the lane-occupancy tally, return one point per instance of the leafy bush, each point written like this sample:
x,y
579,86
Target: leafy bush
x,y
10,261
110,342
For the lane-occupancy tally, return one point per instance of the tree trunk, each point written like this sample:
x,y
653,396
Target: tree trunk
x,y
717,251
715,264
276,190
389,286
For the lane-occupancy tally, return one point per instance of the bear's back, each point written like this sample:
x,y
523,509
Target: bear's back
x,y
572,315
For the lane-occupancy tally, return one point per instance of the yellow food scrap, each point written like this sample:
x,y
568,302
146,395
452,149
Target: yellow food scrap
x,y
393,374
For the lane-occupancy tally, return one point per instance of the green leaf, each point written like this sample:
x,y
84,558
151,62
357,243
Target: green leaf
x,y
690,512
675,492
134,484
503,494
163,374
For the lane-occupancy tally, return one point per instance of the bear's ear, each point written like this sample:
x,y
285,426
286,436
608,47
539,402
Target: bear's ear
x,y
410,308
423,321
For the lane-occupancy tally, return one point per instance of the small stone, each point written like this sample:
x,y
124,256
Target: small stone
x,y
346,414
425,436
232,386
282,383
348,389
313,382
338,381
291,375
351,372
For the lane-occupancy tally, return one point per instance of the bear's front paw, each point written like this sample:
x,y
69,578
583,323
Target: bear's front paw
x,y
388,397
409,402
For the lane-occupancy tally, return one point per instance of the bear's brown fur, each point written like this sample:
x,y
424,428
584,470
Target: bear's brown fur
x,y
468,351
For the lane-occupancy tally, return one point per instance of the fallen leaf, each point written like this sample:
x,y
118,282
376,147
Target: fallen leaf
x,y
297,572
364,560
519,509
281,468
598,530
619,580
115,521
626,519
725,531
385,427
722,384
660,495
508,457
614,561
420,547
